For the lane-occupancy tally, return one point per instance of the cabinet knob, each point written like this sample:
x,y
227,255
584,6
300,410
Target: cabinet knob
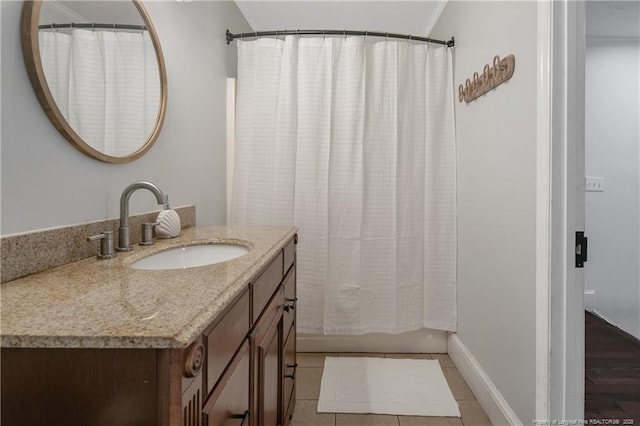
x,y
244,416
292,306
193,360
293,375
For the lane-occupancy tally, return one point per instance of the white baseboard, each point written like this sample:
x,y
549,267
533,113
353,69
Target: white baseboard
x,y
613,323
419,341
491,400
606,318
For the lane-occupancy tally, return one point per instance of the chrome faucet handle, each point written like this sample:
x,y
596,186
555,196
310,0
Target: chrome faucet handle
x,y
106,245
147,233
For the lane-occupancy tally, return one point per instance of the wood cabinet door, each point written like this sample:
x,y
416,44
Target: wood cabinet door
x,y
228,404
269,376
289,369
266,342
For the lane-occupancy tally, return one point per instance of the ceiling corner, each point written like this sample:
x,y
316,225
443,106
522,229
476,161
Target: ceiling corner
x,y
247,16
435,15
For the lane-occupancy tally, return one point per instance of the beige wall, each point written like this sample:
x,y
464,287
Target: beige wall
x,y
496,144
47,183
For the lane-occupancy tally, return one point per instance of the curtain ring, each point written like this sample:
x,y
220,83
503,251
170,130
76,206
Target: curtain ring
x,y
323,35
386,38
276,34
298,33
345,34
366,33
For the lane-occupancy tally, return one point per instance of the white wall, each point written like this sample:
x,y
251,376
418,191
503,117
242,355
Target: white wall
x,y
612,108
48,183
394,16
496,143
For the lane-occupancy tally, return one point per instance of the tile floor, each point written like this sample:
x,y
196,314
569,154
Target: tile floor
x,y
308,389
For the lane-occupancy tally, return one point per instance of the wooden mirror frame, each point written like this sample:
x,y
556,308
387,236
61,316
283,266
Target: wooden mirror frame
x,y
31,53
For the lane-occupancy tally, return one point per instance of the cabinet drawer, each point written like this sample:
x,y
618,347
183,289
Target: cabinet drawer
x,y
271,313
290,300
225,338
289,252
265,285
228,404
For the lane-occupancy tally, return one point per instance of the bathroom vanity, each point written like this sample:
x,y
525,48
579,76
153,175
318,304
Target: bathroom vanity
x,y
97,342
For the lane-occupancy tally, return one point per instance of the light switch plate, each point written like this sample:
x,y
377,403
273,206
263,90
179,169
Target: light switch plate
x,y
594,184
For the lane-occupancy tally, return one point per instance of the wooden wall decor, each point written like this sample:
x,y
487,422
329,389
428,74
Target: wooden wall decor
x,y
492,76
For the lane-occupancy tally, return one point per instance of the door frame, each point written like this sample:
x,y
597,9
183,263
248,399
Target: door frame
x,y
560,211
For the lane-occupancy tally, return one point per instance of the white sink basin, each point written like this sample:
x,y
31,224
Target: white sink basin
x,y
191,256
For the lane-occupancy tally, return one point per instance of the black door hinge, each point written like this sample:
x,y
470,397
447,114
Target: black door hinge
x,y
581,249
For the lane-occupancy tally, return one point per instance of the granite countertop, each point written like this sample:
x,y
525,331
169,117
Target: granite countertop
x,y
106,304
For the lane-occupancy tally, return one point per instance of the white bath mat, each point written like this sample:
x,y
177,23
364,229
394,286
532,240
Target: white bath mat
x,y
412,387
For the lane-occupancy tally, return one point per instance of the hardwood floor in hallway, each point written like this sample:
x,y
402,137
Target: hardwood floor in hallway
x,y
612,374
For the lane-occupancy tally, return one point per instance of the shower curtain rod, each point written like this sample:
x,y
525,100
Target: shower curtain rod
x,y
93,26
231,37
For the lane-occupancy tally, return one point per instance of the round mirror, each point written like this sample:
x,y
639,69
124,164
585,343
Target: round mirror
x,y
98,71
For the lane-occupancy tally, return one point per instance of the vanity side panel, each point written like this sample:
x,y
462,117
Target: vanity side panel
x,y
172,385
78,386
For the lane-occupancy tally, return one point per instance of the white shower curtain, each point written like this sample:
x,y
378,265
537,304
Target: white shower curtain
x,y
105,83
352,140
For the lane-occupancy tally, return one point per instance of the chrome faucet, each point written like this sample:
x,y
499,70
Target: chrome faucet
x,y
123,231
